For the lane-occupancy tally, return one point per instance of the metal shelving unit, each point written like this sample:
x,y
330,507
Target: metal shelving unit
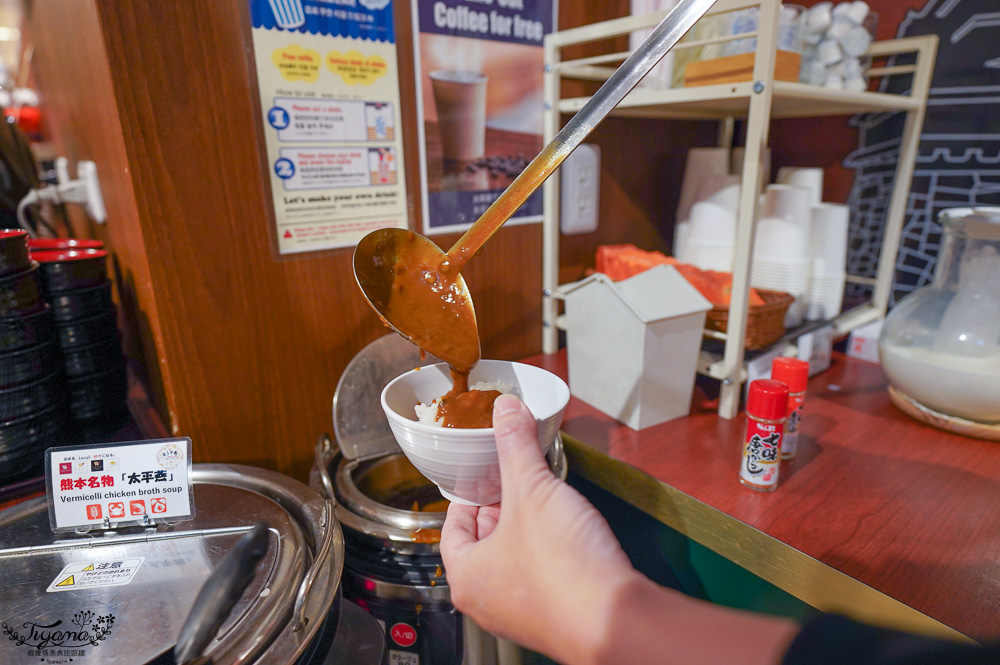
x,y
758,101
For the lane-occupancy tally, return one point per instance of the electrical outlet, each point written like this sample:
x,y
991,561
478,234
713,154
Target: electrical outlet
x,y
580,187
62,171
85,190
87,172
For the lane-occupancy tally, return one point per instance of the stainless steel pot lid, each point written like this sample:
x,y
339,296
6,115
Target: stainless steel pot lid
x,y
368,449
375,496
359,424
135,621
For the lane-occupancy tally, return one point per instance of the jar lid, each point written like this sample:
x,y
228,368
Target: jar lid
x,y
792,371
768,399
55,255
45,244
981,222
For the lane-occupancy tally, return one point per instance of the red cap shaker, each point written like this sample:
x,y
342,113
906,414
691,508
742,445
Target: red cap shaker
x,y
767,408
768,399
791,371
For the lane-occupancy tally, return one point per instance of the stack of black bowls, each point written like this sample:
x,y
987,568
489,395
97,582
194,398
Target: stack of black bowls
x,y
32,388
76,286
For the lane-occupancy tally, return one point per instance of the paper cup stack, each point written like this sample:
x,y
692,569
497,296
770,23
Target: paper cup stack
x,y
711,232
828,252
781,259
701,163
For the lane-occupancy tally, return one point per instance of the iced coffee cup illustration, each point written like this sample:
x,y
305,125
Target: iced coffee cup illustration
x,y
460,99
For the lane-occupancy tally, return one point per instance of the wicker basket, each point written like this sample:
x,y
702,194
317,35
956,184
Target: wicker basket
x,y
765,323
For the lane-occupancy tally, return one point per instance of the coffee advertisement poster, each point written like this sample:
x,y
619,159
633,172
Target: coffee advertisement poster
x,y
479,66
329,92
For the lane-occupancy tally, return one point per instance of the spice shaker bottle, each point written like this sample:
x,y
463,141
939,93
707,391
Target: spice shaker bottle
x,y
767,410
795,374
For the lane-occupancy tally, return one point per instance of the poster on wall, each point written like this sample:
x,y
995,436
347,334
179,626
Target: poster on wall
x,y
329,92
958,163
479,66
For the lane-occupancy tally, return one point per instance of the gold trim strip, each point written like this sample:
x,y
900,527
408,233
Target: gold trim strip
x,y
780,564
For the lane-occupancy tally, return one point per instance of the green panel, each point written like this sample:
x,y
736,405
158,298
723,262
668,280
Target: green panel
x,y
673,560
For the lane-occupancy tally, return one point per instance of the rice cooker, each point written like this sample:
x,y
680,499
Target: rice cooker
x,y
392,518
254,578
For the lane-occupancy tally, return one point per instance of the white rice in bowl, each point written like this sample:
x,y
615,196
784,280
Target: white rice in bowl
x,y
427,413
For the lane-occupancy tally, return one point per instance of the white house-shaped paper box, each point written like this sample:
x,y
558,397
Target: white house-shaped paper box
x,y
633,345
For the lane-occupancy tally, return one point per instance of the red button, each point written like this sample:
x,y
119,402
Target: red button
x,y
403,634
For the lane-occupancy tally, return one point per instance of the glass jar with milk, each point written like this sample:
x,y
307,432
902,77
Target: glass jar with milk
x,y
940,345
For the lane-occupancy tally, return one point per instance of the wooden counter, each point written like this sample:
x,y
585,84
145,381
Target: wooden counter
x,y
879,517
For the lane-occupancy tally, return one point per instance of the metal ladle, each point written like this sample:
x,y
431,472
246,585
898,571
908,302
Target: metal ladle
x,y
378,255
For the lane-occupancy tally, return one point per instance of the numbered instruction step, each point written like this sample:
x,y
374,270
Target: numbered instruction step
x,y
332,168
331,120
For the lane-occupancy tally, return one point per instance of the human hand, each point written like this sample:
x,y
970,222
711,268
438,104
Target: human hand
x,y
546,571
543,570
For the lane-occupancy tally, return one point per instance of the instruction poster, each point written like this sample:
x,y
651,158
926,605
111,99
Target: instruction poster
x,y
479,67
329,93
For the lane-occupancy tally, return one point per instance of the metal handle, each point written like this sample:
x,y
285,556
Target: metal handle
x,y
324,453
219,594
329,522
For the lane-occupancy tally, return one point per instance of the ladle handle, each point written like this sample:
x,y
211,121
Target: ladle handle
x,y
670,30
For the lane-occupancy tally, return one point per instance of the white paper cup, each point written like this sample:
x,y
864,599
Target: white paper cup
x,y
828,237
778,238
810,178
858,11
709,256
700,162
818,16
795,313
790,203
826,296
721,189
833,82
829,51
711,223
791,276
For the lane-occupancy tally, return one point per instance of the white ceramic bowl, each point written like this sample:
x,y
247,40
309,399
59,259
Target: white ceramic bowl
x,y
463,463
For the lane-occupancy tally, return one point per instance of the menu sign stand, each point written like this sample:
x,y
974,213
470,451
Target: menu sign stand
x,y
115,485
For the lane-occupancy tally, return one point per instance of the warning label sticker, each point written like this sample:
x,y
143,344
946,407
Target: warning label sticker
x,y
91,574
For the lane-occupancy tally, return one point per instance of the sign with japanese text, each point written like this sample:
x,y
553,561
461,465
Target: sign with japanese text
x,y
329,92
140,482
479,68
90,574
